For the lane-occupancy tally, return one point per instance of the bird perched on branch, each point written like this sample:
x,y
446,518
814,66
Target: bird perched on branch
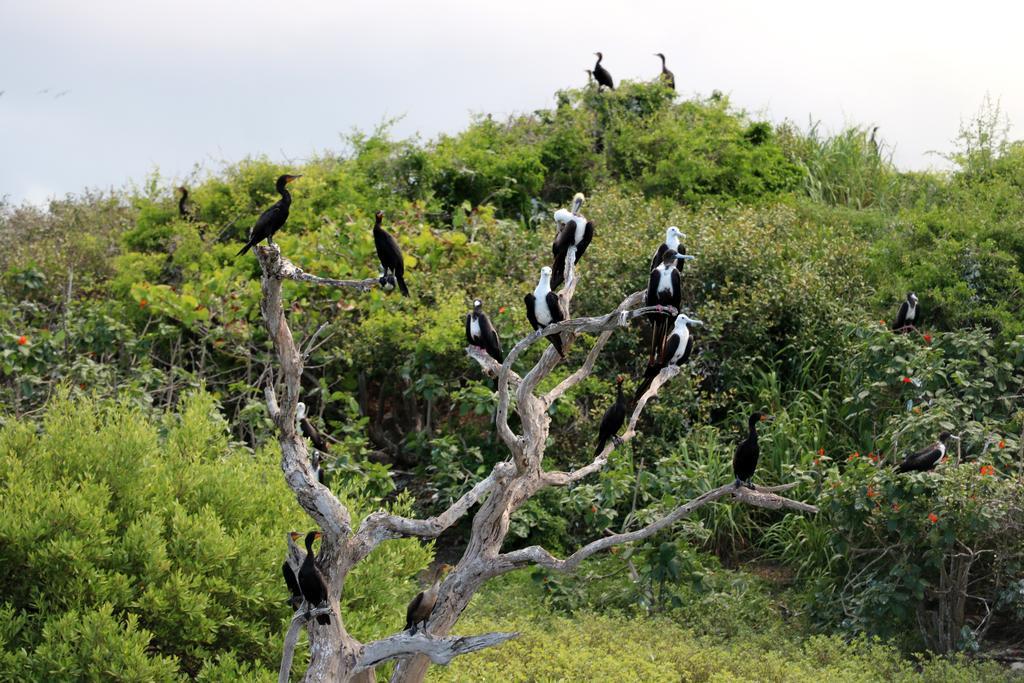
x,y
273,219
292,581
926,458
667,77
422,605
664,288
184,213
480,332
573,230
389,253
601,74
677,350
311,581
744,462
673,240
909,314
613,418
544,307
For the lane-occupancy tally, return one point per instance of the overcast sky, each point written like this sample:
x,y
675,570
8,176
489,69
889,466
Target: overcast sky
x,y
170,85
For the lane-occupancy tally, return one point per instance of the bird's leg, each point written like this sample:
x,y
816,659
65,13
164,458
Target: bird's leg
x,y
738,483
617,440
750,485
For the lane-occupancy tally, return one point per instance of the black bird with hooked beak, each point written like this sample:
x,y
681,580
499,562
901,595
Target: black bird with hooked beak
x,y
273,219
744,462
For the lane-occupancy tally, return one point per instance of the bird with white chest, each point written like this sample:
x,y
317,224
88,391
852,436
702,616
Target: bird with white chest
x,y
543,307
574,230
673,240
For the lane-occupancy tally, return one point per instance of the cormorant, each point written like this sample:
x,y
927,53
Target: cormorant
x,y
183,211
673,240
678,347
311,581
320,444
872,142
273,219
573,230
389,254
601,74
613,418
908,316
663,289
747,453
480,332
543,308
667,77
926,458
422,605
289,576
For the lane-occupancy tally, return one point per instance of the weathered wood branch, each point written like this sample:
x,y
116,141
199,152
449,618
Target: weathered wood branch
x,y
277,266
440,650
536,555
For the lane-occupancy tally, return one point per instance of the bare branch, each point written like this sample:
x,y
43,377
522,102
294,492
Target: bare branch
x,y
536,555
440,650
277,266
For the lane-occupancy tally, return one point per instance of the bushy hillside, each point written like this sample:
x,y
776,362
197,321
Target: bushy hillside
x,y
805,243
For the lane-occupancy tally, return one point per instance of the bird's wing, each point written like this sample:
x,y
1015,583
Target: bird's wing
x,y
901,317
555,306
677,289
658,255
410,612
290,579
686,352
469,334
530,314
588,235
652,289
670,348
267,219
490,335
563,238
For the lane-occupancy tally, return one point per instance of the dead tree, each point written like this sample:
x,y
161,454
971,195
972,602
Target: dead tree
x,y
337,656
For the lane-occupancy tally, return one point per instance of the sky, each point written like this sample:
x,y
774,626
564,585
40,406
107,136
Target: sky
x,y
99,94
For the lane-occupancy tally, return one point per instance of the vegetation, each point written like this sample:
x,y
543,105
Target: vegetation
x,y
144,513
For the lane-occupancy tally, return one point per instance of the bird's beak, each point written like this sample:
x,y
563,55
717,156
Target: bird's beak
x,y
685,257
767,418
696,322
291,178
317,535
295,535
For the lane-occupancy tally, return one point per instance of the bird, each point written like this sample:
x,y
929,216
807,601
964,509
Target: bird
x,y
273,219
909,314
573,230
543,308
311,581
667,77
389,253
184,213
61,94
677,350
673,240
601,74
422,605
320,444
926,458
613,418
744,462
872,142
480,332
663,289
292,581
590,78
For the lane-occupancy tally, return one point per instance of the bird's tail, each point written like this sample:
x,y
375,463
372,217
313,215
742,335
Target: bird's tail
x,y
557,273
556,341
600,447
649,374
244,249
401,284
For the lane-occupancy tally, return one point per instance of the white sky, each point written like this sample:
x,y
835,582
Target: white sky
x,y
175,84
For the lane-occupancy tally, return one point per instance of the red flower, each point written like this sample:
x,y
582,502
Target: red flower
x,y
872,492
1002,444
873,457
987,470
143,303
853,457
927,339
932,517
817,461
22,340
821,451
895,507
907,380
501,309
882,323
593,508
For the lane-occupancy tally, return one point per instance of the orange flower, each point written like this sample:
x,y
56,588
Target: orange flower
x,y
873,457
987,470
932,517
821,451
501,309
1002,444
593,508
853,457
143,303
22,340
882,323
872,492
817,461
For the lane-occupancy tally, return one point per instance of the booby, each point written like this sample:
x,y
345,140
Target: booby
x,y
601,74
677,350
663,289
667,77
420,607
744,462
926,458
573,230
389,254
273,219
480,332
543,308
613,418
673,240
320,445
292,581
311,581
909,314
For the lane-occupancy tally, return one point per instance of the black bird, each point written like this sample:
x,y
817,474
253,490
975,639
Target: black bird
x,y
747,453
663,289
926,458
320,445
389,254
420,607
289,575
908,316
543,308
613,418
872,142
667,77
480,332
573,230
311,581
184,213
273,219
601,74
673,240
677,350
